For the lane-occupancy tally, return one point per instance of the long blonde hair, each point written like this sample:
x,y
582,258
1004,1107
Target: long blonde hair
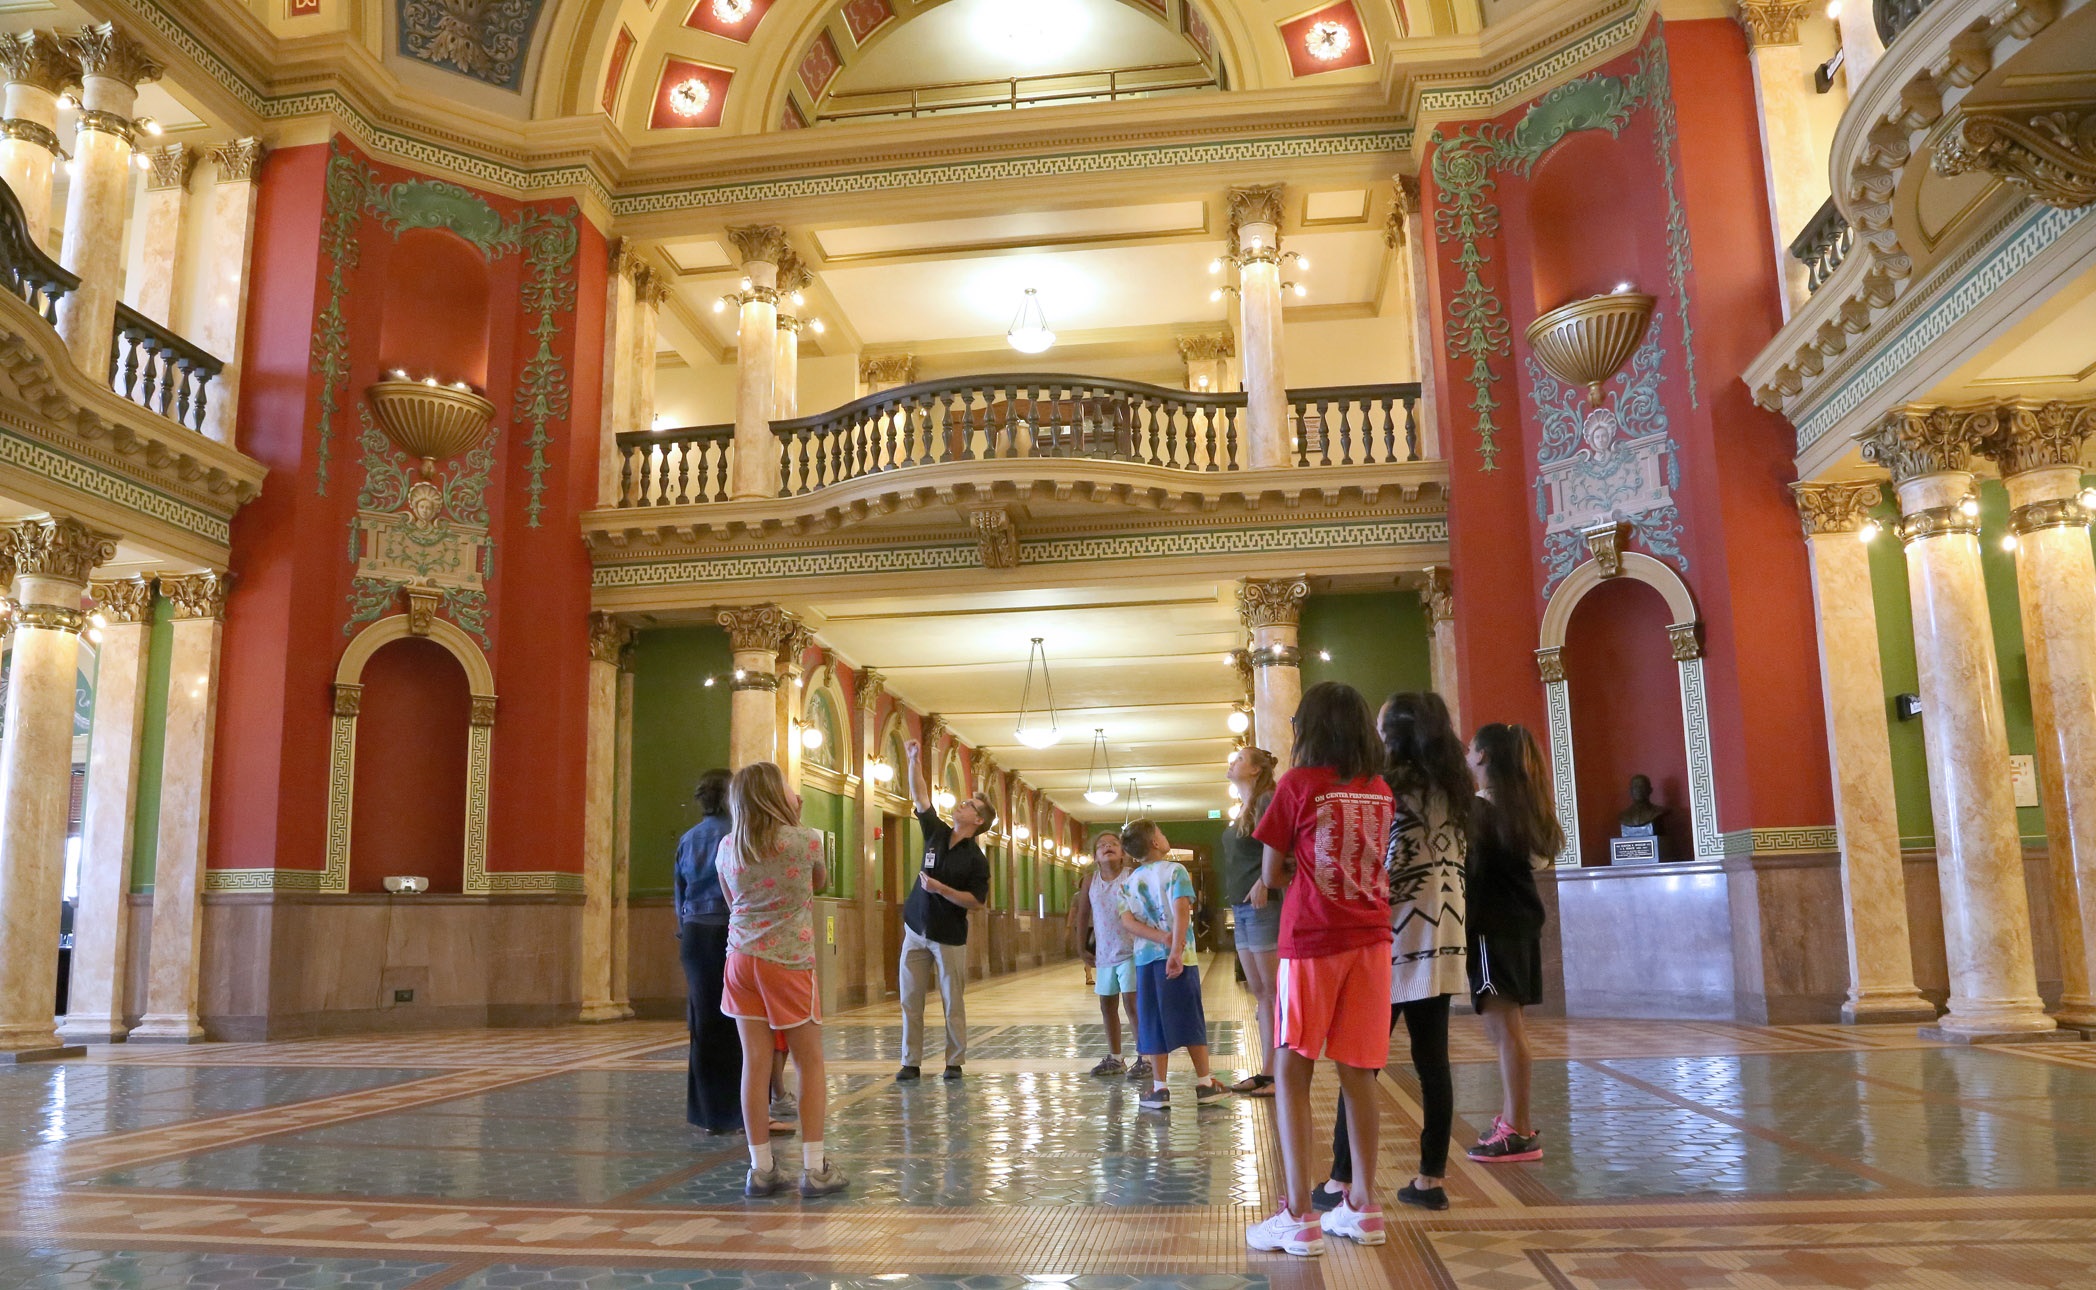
x,y
759,805
1262,791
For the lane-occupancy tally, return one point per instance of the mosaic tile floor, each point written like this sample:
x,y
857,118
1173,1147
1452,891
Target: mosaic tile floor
x,y
1680,1156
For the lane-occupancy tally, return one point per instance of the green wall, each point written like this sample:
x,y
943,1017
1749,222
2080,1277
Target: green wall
x,y
838,816
1378,641
1888,570
680,730
145,814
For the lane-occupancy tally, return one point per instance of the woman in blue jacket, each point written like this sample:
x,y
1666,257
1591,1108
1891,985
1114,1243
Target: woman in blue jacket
x,y
713,1080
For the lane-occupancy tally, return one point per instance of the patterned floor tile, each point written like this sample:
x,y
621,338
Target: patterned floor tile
x,y
33,1268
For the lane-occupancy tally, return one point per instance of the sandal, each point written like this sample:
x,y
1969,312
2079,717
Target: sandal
x,y
1254,1086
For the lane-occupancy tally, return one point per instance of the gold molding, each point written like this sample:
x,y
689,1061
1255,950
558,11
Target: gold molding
x,y
2050,155
1835,506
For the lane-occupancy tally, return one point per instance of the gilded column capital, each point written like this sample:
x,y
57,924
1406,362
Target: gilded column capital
x,y
1271,602
123,600
870,687
888,369
981,765
996,537
1439,593
349,698
760,243
57,546
1918,440
1207,347
170,166
930,732
753,628
39,58
1404,204
238,161
483,710
198,595
1835,506
105,49
623,257
2034,436
793,275
2050,155
793,646
1771,22
1685,639
1550,664
1255,204
607,636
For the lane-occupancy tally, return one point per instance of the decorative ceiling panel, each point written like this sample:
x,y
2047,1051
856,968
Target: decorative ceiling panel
x,y
487,40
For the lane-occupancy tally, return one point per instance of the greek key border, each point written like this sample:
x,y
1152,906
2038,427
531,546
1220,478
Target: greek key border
x,y
1517,84
1702,782
17,449
1800,839
1557,701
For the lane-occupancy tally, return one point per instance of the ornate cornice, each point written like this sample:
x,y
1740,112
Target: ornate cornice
x,y
1919,440
888,369
996,537
607,636
105,49
869,688
1836,506
123,600
57,546
39,58
2035,436
1771,22
198,595
760,243
2050,155
753,628
239,160
170,166
1207,347
1271,602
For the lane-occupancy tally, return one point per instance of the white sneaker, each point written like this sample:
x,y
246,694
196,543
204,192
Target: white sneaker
x,y
1361,1226
1284,1231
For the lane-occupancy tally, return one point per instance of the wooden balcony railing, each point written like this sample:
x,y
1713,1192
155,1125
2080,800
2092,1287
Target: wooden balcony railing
x,y
158,370
1014,92
1823,245
24,267
1005,418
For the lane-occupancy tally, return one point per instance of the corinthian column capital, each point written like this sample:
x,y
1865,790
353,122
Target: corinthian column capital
x,y
105,49
1835,506
871,684
171,165
1771,22
57,546
2035,436
760,243
607,637
1271,602
238,160
757,627
38,58
198,595
1919,440
1439,593
1255,204
123,600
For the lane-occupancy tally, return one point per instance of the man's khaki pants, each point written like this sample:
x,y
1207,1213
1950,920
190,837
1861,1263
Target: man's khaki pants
x,y
920,959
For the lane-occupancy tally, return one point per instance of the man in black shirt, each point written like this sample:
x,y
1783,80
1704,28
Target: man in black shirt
x,y
953,880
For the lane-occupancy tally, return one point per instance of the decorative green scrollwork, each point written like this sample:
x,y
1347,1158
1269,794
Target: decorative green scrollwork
x,y
543,393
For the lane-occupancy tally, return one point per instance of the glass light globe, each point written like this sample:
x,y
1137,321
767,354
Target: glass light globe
x,y
1101,796
883,772
1021,832
811,738
1239,722
1039,737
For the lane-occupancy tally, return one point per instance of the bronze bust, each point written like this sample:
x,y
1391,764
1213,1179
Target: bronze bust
x,y
1641,819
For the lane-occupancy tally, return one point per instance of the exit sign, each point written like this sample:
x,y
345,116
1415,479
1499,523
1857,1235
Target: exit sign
x,y
1215,815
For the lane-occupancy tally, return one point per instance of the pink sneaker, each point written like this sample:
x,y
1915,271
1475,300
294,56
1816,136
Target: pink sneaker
x,y
1284,1231
1361,1226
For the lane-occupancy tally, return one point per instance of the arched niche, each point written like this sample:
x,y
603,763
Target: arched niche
x,y
1684,646
342,749
1588,207
407,805
823,708
895,732
433,318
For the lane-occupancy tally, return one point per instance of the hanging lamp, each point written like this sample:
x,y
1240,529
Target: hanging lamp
x,y
1037,736
1099,794
1029,332
1129,812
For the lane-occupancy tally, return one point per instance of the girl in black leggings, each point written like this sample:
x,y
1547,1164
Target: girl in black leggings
x,y
1425,860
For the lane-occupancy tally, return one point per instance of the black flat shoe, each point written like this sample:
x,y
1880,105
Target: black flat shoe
x,y
953,1072
1423,1197
907,1075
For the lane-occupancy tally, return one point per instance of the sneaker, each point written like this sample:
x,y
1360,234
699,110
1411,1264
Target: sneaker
x,y
1110,1065
1323,1199
1284,1231
907,1075
1157,1099
1361,1226
1208,1090
1507,1146
786,1107
768,1183
1499,1126
1139,1071
830,1181
1423,1197
953,1072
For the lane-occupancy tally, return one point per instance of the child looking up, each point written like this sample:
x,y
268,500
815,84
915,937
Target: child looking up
x,y
1157,906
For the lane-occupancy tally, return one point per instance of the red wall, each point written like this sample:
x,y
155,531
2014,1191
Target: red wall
x,y
1627,712
410,815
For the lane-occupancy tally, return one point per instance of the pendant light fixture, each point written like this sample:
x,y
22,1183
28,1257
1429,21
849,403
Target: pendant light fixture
x,y
1130,811
1037,735
1029,332
1098,791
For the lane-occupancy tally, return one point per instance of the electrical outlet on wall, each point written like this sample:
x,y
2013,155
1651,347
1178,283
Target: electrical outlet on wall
x,y
403,996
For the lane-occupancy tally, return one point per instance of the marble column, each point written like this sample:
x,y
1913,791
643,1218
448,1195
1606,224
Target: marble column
x,y
1271,609
1861,46
161,215
171,1012
1794,169
616,404
650,293
49,559
788,703
868,702
755,634
622,841
39,67
1979,856
112,66
102,921
607,637
2039,450
1438,593
794,280
1852,686
220,317
1406,234
755,471
1255,223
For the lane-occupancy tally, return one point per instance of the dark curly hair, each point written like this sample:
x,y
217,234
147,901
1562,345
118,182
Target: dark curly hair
x,y
1334,729
1423,752
712,792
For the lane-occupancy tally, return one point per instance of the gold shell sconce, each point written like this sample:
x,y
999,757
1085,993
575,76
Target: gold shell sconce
x,y
1588,341
430,421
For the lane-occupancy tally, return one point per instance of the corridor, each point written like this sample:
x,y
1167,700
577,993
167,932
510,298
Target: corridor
x,y
1678,1154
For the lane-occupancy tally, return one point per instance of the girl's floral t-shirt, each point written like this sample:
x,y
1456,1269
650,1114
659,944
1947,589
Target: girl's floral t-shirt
x,y
771,904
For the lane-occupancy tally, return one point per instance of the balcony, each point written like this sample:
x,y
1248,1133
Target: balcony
x,y
1045,420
